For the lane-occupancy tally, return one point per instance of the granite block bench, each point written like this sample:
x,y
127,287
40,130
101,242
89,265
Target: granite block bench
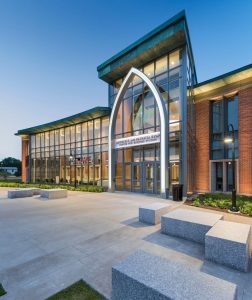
x,y
53,193
189,224
144,276
21,193
228,243
152,213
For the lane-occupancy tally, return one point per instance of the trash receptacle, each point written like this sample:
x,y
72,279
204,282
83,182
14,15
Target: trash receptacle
x,y
177,192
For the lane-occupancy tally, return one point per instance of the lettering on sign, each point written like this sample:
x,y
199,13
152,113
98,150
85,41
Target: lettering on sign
x,y
138,140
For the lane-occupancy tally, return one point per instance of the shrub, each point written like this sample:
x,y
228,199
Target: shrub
x,y
246,208
196,202
85,188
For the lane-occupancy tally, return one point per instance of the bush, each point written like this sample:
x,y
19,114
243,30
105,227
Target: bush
x,y
196,202
85,188
246,208
224,201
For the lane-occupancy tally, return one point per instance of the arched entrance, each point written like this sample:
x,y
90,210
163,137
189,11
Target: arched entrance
x,y
140,170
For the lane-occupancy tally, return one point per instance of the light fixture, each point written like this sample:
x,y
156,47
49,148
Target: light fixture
x,y
228,140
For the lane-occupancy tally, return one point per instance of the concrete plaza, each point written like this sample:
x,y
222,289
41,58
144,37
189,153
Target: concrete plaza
x,y
46,245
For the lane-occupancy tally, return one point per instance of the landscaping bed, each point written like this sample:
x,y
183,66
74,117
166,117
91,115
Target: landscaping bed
x,y
77,291
82,188
222,202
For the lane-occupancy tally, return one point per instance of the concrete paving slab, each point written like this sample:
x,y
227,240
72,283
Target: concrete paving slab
x,y
100,230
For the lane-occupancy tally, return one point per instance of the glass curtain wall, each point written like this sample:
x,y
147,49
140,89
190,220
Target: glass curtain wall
x,y
138,113
78,152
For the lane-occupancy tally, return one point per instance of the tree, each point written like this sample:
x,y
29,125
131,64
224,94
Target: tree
x,y
12,162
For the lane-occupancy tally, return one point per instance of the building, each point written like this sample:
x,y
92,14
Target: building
x,y
161,126
10,170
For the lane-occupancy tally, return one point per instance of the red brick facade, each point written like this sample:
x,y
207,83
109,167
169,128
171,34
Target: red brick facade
x,y
245,141
25,148
202,111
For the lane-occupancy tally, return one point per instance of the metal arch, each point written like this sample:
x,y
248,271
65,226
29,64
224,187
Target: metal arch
x,y
163,131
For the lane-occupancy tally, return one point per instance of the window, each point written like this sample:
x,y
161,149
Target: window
x,y
174,59
161,65
149,70
224,112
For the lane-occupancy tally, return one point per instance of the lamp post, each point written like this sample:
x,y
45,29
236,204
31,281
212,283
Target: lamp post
x,y
72,159
231,139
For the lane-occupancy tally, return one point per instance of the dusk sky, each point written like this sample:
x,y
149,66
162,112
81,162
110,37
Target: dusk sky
x,y
50,49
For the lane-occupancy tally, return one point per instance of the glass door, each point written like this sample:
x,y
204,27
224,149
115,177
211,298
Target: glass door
x,y
137,177
149,177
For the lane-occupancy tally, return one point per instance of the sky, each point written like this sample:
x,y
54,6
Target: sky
x,y
50,49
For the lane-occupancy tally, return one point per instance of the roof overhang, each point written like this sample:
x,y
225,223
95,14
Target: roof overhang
x,y
87,115
225,83
167,37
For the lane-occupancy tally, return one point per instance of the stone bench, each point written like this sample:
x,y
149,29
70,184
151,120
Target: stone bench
x,y
20,193
227,243
152,213
144,276
53,193
189,224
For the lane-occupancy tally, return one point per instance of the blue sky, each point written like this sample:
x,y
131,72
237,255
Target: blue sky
x,y
49,51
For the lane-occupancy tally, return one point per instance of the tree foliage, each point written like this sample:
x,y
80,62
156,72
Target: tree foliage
x,y
12,162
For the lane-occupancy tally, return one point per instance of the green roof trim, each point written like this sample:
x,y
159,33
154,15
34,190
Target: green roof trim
x,y
87,115
168,36
225,75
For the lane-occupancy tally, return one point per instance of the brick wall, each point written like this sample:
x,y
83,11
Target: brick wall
x,y
202,111
245,141
25,145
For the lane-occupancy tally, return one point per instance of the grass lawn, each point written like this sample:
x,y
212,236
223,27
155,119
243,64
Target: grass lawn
x,y
77,291
2,291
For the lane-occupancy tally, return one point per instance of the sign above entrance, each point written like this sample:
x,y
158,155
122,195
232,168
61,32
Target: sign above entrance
x,y
137,140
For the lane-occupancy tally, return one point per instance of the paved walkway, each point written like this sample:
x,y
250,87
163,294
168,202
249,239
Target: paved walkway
x,y
47,245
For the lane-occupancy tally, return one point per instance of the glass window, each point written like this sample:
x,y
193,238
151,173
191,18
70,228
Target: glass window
x,y
149,110
217,117
174,59
67,135
62,136
78,133
118,125
149,70
105,126
32,141
97,128
42,139
161,65
84,131
137,113
127,115
38,140
52,138
72,130
56,137
90,130
232,112
174,110
174,91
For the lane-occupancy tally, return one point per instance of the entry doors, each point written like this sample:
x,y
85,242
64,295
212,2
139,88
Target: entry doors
x,y
145,177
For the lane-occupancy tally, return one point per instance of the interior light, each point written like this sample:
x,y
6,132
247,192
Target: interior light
x,y
228,140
